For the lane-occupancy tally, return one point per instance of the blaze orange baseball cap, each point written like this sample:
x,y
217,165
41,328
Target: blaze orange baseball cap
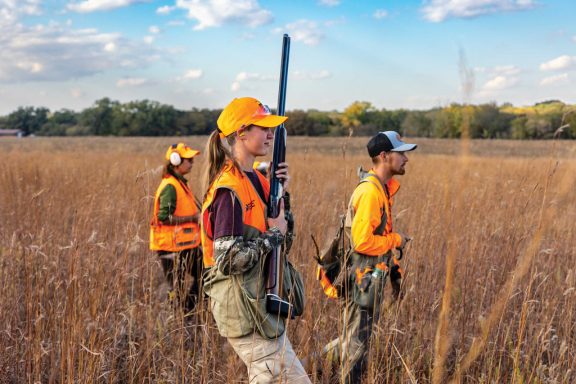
x,y
245,111
183,150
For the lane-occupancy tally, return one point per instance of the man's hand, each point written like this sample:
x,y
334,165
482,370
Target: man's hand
x,y
405,239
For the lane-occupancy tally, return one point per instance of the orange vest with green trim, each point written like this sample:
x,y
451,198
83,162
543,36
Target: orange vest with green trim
x,y
254,210
173,238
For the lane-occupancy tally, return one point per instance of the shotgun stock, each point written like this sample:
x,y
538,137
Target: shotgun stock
x,y
275,304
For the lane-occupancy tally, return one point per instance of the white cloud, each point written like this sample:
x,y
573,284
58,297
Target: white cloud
x,y
246,77
214,13
165,10
499,83
320,75
56,52
507,70
380,14
192,74
154,29
10,10
329,3
87,6
30,66
149,39
555,80
306,31
561,62
574,38
131,82
440,10
499,70
110,47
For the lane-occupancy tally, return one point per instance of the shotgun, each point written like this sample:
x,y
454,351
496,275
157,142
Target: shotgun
x,y
275,304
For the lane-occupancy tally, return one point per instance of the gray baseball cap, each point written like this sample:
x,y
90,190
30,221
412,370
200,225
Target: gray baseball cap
x,y
388,141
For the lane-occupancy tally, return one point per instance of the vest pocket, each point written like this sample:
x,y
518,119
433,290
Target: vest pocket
x,y
367,287
254,295
227,304
185,237
164,239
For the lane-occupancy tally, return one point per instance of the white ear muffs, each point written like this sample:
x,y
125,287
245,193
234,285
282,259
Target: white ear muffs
x,y
175,159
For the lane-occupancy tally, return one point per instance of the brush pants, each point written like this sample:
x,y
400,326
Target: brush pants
x,y
361,311
269,360
351,348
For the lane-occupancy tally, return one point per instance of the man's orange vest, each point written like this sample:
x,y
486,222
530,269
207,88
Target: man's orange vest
x,y
173,238
253,208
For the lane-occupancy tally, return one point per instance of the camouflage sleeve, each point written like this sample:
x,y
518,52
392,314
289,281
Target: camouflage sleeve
x,y
234,255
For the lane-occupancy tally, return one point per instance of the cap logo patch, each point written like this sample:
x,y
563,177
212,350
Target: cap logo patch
x,y
263,110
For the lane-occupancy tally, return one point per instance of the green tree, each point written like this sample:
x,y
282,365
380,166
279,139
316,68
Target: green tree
x,y
448,121
98,118
59,123
417,123
28,119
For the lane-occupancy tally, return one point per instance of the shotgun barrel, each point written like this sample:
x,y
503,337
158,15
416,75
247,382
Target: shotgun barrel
x,y
275,304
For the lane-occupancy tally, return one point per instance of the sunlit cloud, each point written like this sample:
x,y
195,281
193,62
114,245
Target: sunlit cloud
x,y
555,80
508,70
247,77
192,74
88,6
215,13
56,52
305,31
561,62
441,10
329,3
165,10
499,83
131,82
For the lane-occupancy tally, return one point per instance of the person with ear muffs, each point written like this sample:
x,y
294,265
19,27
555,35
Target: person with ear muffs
x,y
174,228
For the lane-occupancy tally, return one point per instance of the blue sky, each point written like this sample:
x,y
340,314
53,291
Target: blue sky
x,y
203,53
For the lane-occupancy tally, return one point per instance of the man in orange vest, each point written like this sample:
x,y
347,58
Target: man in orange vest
x,y
174,228
369,221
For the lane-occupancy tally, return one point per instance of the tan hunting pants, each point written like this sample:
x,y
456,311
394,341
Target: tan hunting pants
x,y
269,360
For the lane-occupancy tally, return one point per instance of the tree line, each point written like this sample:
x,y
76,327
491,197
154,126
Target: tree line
x,y
545,120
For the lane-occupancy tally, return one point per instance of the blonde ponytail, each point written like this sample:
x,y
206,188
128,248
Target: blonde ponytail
x,y
218,154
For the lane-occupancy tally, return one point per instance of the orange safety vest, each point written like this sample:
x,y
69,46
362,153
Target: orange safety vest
x,y
371,188
254,210
384,212
173,238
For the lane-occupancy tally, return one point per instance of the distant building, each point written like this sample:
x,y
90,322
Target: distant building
x,y
11,132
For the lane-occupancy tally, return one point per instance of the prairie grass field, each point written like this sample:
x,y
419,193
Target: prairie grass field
x,y
489,290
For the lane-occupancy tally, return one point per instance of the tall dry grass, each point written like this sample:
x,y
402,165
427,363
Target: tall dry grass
x,y
82,297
